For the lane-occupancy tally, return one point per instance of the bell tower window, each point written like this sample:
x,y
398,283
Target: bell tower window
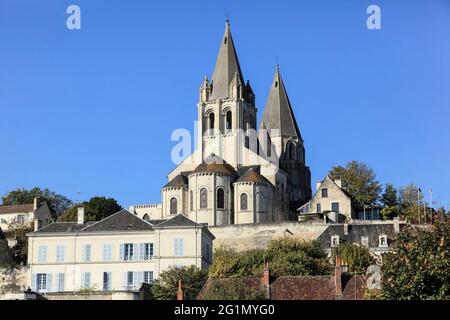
x,y
220,199
211,121
228,120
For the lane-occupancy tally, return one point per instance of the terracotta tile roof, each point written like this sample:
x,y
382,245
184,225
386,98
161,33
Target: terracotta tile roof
x,y
20,208
215,164
300,287
252,175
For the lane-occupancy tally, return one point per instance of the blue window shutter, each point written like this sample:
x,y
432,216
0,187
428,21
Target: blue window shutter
x,y
135,251
83,253
49,282
122,252
140,279
33,282
88,279
141,251
181,247
125,278
135,278
88,253
109,281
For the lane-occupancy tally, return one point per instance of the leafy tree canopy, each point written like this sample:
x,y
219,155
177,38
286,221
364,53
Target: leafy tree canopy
x,y
357,258
235,289
166,286
97,208
287,256
418,267
56,202
360,181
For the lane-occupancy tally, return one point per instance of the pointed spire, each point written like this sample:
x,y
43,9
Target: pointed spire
x,y
278,114
227,65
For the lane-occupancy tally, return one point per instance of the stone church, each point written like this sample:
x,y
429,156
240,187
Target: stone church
x,y
238,174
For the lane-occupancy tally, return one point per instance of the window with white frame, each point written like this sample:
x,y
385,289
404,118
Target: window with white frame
x,y
148,251
107,277
61,282
334,240
127,251
365,242
86,253
41,282
178,247
107,252
60,253
42,254
382,241
85,280
148,276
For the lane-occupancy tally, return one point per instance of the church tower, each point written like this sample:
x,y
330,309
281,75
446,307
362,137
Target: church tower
x,y
226,105
279,121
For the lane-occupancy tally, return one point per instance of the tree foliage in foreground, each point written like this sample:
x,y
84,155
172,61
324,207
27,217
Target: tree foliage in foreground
x,y
357,258
360,181
418,269
96,209
235,289
286,256
57,203
166,286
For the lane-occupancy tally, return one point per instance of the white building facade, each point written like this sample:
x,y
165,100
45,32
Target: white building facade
x,y
118,253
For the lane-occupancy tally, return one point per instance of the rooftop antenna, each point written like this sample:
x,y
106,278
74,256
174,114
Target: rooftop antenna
x,y
79,197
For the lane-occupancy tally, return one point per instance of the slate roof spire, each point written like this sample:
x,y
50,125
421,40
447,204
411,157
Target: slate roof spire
x,y
227,64
278,112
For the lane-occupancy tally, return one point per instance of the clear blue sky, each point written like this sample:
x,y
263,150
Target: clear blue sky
x,y
93,110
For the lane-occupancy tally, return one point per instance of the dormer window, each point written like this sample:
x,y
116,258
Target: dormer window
x,y
334,241
382,241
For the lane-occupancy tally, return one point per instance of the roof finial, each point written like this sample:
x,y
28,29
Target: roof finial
x,y
227,15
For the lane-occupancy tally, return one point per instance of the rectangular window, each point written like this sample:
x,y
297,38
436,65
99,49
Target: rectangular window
x,y
130,277
334,241
107,252
106,281
148,251
61,281
178,247
41,282
324,193
42,254
85,280
148,276
60,253
335,206
128,253
86,253
319,209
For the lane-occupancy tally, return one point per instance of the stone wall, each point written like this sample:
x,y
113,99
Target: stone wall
x,y
12,281
251,236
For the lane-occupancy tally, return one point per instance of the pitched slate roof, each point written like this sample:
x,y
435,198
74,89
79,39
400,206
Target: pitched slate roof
x,y
123,220
278,114
356,231
63,227
178,182
180,220
215,164
19,208
227,65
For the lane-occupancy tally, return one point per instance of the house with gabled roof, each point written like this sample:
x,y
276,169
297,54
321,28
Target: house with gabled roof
x,y
116,254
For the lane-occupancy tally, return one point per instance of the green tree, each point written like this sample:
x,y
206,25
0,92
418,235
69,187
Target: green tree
x,y
232,289
390,203
166,286
360,181
411,203
56,202
418,267
97,208
286,256
6,256
357,258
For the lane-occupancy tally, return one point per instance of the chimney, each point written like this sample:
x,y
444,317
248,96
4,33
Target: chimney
x,y
36,224
80,215
338,276
396,225
35,203
346,229
180,291
266,274
338,182
318,183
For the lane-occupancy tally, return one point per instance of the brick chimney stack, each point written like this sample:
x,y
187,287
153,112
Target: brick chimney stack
x,y
338,276
266,274
35,203
180,291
